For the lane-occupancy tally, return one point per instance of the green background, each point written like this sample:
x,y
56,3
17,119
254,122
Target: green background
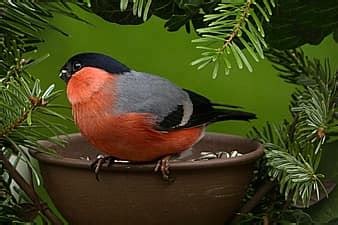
x,y
150,48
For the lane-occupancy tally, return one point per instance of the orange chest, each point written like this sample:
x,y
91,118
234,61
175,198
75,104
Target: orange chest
x,y
90,116
92,94
90,84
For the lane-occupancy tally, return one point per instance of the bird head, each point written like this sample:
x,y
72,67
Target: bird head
x,y
97,60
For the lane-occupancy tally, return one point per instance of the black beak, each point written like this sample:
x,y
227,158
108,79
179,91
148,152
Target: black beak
x,y
64,75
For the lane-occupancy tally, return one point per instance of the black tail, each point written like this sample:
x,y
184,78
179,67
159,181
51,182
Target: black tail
x,y
205,112
226,114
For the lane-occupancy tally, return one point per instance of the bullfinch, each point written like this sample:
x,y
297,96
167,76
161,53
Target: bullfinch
x,y
137,116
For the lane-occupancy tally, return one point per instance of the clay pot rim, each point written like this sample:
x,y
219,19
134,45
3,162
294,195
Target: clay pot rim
x,y
174,165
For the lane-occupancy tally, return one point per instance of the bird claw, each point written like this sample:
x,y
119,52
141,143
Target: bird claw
x,y
98,163
164,167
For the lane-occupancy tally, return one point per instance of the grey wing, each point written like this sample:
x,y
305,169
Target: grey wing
x,y
145,93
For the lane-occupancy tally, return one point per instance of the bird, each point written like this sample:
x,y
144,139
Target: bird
x,y
137,116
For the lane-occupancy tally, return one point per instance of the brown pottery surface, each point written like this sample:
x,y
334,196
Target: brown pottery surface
x,y
204,192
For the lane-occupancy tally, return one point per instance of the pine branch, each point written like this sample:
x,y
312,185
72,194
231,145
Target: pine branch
x,y
24,104
294,67
41,206
140,7
22,118
315,104
235,25
293,148
9,211
315,115
22,20
286,162
296,177
22,124
262,191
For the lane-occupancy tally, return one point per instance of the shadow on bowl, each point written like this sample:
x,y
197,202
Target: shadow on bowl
x,y
205,192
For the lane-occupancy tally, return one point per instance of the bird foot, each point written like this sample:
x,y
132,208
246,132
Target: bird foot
x,y
163,166
98,163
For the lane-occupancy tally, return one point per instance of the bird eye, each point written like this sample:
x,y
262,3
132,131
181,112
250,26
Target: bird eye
x,y
77,66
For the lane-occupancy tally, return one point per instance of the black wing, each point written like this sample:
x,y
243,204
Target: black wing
x,y
172,120
203,112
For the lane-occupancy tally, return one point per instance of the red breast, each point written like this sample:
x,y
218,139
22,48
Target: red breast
x,y
86,84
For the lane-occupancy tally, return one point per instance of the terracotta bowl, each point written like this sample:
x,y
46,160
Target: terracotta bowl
x,y
204,192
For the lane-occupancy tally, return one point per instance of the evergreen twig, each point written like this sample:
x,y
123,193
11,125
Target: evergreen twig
x,y
27,188
236,25
140,7
23,102
293,148
262,190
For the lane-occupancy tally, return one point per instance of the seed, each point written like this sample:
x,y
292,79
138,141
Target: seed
x,y
85,158
205,153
